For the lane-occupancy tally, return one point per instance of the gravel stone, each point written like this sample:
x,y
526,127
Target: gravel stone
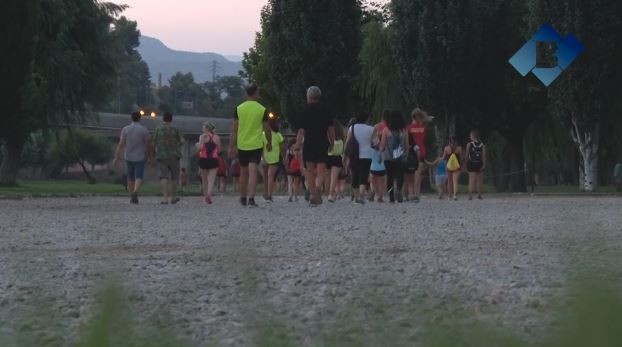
x,y
219,272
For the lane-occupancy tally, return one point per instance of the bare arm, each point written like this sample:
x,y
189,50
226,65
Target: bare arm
x,y
383,140
268,131
300,137
120,148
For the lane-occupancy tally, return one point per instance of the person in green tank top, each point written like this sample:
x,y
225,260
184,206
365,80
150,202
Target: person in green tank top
x,y
272,158
250,122
335,160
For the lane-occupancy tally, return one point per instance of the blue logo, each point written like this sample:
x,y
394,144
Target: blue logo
x,y
568,49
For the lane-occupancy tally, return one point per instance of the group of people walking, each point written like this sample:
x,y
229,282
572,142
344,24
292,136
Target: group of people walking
x,y
383,160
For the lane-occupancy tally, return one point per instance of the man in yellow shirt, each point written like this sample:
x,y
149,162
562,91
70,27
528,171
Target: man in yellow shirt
x,y
247,142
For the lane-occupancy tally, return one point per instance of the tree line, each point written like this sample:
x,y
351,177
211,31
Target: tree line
x,y
450,57
66,59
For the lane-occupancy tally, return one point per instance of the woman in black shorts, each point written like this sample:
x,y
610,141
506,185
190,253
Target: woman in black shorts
x,y
335,160
208,149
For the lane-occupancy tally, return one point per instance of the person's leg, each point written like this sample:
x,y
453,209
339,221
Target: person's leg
x,y
174,178
334,181
252,180
417,183
472,183
244,178
271,179
356,178
321,174
290,187
364,166
391,180
399,178
204,182
211,178
296,188
309,178
450,184
455,179
139,174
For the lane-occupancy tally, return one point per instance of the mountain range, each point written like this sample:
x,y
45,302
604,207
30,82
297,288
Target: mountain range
x,y
166,61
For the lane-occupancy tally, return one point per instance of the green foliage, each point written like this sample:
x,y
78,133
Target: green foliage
x,y
132,81
61,53
80,147
379,84
209,99
312,43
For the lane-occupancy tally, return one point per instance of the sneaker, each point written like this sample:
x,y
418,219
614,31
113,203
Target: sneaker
x,y
470,197
418,200
380,201
359,201
331,199
399,198
269,200
479,197
252,203
209,200
291,199
243,202
307,195
134,198
455,198
175,201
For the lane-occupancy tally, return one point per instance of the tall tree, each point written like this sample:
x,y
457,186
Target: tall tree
x,y
379,83
312,42
437,50
132,80
62,53
587,95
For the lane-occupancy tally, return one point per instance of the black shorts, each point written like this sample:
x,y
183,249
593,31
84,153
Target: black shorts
x,y
208,164
334,161
474,167
247,157
317,154
379,173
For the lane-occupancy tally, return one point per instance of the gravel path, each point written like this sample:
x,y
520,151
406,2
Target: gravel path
x,y
221,272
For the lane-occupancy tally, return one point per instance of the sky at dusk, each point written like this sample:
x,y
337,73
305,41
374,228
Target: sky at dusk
x,y
220,26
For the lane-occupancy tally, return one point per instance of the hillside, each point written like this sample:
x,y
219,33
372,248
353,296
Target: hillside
x,y
166,61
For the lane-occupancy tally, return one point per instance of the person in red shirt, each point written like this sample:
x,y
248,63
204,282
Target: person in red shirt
x,y
416,133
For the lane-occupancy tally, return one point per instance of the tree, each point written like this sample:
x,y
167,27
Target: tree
x,y
132,81
256,69
312,42
379,83
587,95
78,147
437,50
59,64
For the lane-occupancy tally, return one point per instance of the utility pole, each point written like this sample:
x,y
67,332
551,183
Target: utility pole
x,y
215,67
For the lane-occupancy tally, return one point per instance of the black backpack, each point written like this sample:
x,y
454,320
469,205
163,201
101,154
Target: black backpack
x,y
397,151
476,152
352,147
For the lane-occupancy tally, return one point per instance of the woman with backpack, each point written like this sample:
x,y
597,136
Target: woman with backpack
x,y
476,164
453,155
395,141
358,150
208,150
